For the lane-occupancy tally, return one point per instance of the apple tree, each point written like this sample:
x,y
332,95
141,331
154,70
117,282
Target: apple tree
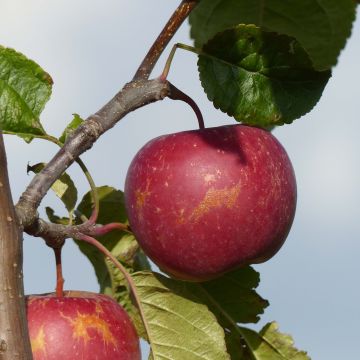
x,y
174,248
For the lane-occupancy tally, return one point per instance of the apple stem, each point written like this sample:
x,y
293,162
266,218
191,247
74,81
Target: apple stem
x,y
104,229
177,94
127,276
59,276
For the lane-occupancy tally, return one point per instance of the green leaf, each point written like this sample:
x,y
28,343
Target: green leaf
x,y
55,218
111,205
269,344
179,326
321,26
259,78
74,124
63,187
111,209
233,296
236,347
24,90
232,299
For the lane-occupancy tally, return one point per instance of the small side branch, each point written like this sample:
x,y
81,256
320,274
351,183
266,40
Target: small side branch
x,y
56,234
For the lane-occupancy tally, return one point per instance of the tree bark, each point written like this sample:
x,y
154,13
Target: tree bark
x,y
171,27
14,338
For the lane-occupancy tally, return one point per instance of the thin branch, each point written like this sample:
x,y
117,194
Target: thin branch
x,y
56,234
151,58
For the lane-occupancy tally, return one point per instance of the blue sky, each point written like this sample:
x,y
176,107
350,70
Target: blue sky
x,y
91,48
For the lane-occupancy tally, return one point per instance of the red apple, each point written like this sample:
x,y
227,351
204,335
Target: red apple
x,y
80,325
204,202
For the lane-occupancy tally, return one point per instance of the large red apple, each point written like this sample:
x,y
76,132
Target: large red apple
x,y
80,325
204,202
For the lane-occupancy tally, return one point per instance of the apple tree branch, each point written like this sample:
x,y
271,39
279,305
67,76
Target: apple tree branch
x,y
14,338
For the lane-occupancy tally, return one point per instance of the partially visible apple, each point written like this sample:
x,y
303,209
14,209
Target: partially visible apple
x,y
204,202
80,325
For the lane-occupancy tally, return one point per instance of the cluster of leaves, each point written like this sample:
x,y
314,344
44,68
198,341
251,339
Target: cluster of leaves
x,y
264,63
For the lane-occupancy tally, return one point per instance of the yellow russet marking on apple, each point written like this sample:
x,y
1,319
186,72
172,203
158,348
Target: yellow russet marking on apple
x,y
38,343
141,196
180,218
83,322
215,198
98,308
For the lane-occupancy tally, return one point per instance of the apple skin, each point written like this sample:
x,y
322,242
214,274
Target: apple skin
x,y
204,202
80,325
